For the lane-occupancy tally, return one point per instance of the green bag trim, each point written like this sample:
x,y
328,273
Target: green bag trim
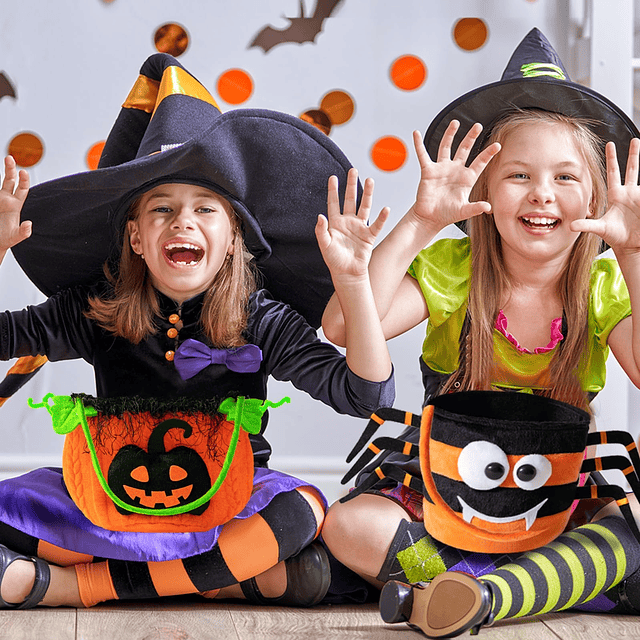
x,y
68,413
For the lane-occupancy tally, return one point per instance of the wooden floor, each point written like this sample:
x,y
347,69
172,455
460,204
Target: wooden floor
x,y
180,620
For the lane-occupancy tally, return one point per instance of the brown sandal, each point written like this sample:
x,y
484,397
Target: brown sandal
x,y
451,604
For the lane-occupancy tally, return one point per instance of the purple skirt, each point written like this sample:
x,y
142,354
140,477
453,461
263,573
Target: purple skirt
x,y
39,505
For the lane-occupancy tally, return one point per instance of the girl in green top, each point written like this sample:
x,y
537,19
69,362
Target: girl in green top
x,y
521,304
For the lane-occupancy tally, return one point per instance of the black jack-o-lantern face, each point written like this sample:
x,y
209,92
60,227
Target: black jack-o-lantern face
x,y
159,479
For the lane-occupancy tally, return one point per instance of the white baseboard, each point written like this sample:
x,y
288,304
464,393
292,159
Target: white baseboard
x,y
18,464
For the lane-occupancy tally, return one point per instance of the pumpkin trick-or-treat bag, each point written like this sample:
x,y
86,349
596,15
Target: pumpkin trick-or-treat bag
x,y
133,464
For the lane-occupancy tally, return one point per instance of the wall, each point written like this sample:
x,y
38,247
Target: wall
x,y
72,64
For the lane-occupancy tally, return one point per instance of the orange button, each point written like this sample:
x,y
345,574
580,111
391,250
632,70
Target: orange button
x,y
173,318
173,332
169,355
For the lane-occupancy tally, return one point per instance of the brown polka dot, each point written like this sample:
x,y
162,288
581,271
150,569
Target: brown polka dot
x,y
319,119
338,105
93,155
235,86
408,72
171,38
389,153
470,33
26,148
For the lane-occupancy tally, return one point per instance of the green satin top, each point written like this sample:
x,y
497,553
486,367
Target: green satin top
x,y
443,271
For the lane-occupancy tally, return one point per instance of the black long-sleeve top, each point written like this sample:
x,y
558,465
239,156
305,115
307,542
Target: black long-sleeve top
x,y
290,348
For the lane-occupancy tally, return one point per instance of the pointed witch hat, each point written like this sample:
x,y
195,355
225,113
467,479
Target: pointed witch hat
x,y
271,166
534,78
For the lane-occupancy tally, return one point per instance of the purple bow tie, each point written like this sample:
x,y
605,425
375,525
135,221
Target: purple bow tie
x,y
192,356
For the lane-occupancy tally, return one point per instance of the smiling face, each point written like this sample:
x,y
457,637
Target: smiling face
x,y
537,184
185,233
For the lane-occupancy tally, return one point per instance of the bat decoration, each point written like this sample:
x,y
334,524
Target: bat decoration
x,y
301,29
6,88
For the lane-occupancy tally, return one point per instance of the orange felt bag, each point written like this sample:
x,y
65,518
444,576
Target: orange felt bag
x,y
148,466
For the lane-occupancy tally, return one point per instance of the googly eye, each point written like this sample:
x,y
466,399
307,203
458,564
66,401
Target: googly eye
x,y
483,465
532,472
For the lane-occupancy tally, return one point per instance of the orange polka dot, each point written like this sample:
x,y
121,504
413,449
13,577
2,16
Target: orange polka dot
x,y
171,38
318,118
389,153
235,86
470,33
93,155
408,73
26,148
338,105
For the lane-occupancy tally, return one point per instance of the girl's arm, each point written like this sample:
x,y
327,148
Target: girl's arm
x,y
13,192
346,241
620,229
442,199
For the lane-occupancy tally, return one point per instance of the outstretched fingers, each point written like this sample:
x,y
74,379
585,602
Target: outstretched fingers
x,y
444,149
613,168
631,173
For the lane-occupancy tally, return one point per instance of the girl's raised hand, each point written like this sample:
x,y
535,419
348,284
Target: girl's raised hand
x,y
619,227
13,192
345,238
445,185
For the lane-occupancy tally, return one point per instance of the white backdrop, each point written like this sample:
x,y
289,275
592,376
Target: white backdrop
x,y
73,63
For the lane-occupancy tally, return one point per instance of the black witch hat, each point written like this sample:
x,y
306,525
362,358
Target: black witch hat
x,y
271,166
534,78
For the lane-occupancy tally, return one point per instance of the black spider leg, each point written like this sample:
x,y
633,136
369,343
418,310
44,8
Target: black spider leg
x,y
630,467
377,446
611,491
386,470
377,418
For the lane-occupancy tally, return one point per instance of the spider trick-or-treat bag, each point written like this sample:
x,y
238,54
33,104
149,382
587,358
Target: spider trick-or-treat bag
x,y
499,471
146,465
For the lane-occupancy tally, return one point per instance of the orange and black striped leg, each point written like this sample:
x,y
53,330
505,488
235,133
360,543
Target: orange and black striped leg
x,y
245,549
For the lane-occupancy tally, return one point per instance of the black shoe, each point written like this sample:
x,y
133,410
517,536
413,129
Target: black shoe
x,y
40,584
308,579
451,604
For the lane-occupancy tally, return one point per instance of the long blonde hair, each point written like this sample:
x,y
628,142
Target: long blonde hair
x,y
490,282
129,312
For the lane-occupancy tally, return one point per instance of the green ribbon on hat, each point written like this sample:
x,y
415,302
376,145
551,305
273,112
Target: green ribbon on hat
x,y
536,69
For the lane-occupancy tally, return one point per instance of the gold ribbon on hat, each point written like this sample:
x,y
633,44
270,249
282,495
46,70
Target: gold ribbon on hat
x,y
147,94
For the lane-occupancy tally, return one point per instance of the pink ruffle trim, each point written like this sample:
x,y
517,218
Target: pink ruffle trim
x,y
556,334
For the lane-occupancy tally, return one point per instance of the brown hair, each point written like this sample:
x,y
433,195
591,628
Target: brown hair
x,y
129,311
490,281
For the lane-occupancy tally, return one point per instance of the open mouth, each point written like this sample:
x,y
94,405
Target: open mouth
x,y
468,513
540,223
183,253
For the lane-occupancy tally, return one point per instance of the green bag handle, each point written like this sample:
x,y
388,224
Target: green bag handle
x,y
68,413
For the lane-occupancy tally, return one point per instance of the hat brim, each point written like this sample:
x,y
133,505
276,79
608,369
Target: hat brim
x,y
273,167
489,103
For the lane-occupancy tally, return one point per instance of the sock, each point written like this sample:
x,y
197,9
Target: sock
x,y
414,556
576,568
